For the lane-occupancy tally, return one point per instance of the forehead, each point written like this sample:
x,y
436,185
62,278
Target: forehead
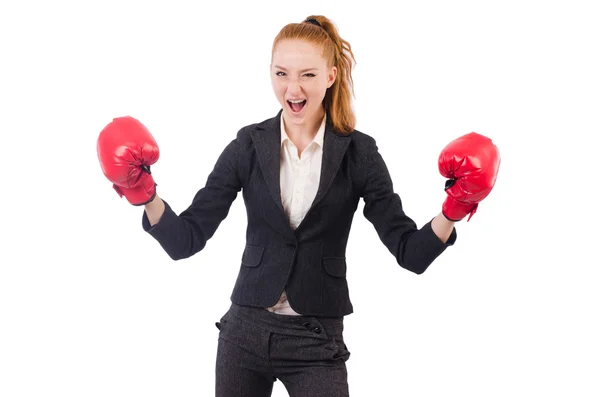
x,y
297,53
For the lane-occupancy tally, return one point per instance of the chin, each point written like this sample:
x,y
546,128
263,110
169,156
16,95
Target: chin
x,y
295,118
301,117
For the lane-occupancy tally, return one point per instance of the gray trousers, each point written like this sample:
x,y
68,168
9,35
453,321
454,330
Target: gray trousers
x,y
257,347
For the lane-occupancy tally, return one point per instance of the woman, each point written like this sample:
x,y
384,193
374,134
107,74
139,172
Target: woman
x,y
302,174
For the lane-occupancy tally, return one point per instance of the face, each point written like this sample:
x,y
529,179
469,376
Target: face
x,y
300,78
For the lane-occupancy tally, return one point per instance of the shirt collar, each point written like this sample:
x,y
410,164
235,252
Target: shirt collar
x,y
318,139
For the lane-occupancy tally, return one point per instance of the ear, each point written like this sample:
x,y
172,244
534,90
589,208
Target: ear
x,y
331,76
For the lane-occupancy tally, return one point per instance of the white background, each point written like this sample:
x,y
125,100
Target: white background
x,y
90,305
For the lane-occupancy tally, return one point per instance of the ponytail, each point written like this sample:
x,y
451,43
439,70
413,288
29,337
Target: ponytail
x,y
320,31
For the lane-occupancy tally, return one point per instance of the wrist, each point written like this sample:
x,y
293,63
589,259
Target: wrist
x,y
154,204
442,227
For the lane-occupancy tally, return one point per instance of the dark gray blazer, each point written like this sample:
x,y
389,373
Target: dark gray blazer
x,y
309,262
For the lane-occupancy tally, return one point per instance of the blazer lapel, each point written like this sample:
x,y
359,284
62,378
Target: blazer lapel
x,y
334,148
267,141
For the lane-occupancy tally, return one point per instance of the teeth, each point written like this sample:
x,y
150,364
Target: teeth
x,y
298,101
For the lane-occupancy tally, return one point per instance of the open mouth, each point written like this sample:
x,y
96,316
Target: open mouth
x,y
296,106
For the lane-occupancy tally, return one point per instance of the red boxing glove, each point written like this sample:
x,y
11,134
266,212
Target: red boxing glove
x,y
471,164
126,150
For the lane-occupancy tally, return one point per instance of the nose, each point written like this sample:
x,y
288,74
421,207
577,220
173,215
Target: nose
x,y
294,88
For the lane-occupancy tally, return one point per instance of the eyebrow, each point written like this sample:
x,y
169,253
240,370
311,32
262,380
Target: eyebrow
x,y
303,70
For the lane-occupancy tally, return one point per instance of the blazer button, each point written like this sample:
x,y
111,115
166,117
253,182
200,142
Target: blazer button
x,y
291,245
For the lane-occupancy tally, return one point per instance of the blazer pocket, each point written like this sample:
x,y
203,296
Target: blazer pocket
x,y
252,255
335,266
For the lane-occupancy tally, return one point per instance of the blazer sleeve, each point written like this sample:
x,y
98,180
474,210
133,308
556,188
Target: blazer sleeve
x,y
415,249
183,235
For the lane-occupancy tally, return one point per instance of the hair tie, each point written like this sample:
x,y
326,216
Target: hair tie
x,y
313,21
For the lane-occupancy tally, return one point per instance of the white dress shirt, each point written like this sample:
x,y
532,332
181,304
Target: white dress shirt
x,y
299,179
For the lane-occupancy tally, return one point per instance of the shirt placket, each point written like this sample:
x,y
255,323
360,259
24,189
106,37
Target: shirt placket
x,y
299,185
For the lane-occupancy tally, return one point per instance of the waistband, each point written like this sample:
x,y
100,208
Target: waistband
x,y
287,324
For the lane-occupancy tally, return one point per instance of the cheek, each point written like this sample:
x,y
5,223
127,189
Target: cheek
x,y
278,88
318,90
